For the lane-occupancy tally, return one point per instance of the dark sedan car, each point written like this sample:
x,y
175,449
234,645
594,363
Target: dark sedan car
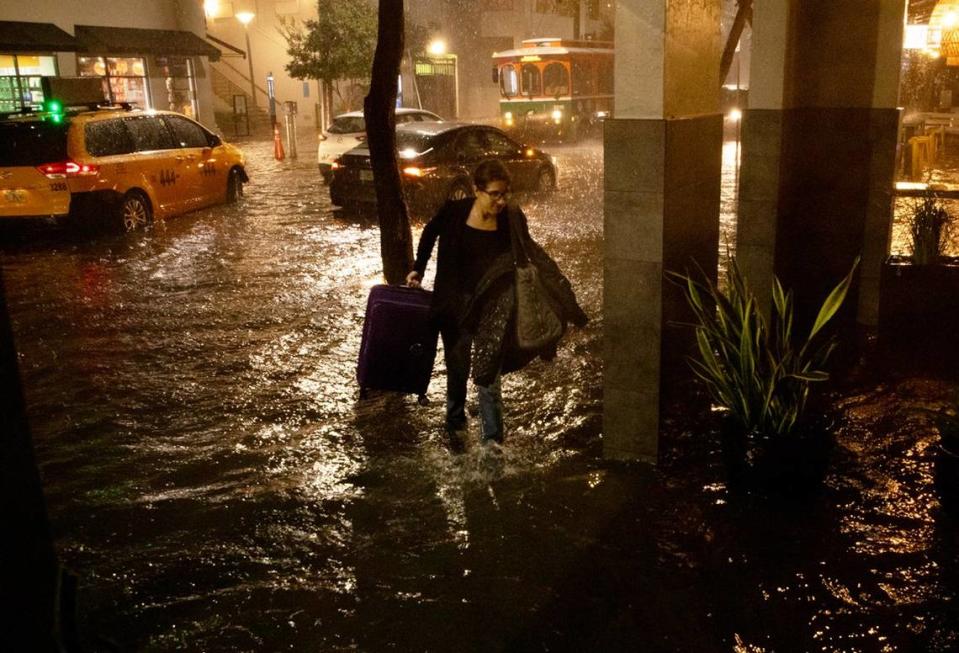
x,y
436,161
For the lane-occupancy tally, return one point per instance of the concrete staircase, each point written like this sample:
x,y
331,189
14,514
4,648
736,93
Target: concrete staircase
x,y
224,88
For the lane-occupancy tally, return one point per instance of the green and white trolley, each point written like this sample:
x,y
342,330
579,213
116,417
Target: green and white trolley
x,y
554,88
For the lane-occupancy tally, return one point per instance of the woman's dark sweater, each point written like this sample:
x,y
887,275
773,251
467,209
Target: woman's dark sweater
x,y
479,249
451,289
455,282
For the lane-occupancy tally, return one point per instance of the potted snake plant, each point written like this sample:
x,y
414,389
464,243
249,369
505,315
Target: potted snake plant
x,y
918,313
761,374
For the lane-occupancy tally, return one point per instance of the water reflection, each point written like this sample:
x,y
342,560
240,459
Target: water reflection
x,y
212,474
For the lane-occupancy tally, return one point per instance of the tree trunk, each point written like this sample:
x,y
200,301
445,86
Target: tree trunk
x,y
396,239
28,567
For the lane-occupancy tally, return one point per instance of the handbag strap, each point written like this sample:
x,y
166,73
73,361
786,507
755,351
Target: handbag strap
x,y
520,256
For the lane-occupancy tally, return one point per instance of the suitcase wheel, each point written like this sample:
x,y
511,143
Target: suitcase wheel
x,y
423,400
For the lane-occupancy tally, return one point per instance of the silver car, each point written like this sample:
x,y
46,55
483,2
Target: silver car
x,y
349,130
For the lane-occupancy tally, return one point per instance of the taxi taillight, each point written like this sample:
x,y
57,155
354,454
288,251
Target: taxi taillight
x,y
61,169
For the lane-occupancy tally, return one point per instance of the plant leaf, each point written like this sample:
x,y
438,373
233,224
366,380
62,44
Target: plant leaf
x,y
833,302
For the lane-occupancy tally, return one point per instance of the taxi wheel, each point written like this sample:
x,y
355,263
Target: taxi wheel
x,y
234,187
135,212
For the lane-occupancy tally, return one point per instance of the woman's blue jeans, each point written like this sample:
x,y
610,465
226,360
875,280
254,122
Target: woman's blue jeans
x,y
456,351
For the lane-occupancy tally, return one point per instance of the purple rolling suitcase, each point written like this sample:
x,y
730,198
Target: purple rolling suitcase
x,y
398,345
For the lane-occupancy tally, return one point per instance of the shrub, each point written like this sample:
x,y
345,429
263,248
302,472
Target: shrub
x,y
757,371
929,226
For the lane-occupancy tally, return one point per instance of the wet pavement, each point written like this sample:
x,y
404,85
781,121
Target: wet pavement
x,y
217,484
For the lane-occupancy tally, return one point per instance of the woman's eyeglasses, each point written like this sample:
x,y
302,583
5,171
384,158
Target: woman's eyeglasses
x,y
497,195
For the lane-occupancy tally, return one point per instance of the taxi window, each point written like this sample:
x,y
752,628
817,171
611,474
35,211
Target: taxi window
x,y
32,143
187,133
108,137
150,133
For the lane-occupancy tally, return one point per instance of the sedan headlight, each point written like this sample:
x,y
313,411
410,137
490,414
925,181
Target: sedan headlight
x,y
416,171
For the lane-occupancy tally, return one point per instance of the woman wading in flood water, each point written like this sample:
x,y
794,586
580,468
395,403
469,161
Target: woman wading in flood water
x,y
473,303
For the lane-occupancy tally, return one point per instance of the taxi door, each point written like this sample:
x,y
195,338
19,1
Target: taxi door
x,y
204,177
156,163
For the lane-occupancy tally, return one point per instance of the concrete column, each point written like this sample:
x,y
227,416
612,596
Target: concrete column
x,y
761,134
819,145
662,178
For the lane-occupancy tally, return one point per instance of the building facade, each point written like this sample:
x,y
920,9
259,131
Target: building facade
x,y
474,30
149,53
258,46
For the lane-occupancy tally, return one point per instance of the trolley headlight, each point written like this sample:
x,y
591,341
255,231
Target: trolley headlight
x,y
557,116
508,117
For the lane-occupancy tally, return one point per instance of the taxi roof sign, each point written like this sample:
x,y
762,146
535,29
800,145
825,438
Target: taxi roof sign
x,y
74,91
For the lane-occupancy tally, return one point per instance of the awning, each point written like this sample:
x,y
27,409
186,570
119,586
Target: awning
x,y
16,36
132,40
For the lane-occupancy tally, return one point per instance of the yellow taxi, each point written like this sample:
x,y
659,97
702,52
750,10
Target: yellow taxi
x,y
130,165
25,191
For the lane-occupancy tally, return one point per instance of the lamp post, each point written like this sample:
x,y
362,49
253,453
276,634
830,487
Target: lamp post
x,y
245,17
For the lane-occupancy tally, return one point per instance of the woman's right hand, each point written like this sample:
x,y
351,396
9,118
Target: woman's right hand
x,y
413,279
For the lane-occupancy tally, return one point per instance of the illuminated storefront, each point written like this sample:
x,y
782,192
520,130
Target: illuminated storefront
x,y
20,75
27,55
124,78
144,67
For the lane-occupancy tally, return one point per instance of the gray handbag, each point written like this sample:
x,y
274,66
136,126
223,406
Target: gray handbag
x,y
537,322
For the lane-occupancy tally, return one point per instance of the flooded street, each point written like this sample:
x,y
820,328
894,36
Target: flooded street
x,y
216,482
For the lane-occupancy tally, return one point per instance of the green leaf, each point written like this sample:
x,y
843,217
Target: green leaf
x,y
818,375
833,302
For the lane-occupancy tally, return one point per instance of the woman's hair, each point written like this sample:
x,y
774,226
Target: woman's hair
x,y
489,171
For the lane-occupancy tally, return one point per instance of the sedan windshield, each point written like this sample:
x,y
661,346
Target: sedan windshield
x,y
419,143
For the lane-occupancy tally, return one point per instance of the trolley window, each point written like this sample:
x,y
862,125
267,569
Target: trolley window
x,y
555,80
532,82
508,82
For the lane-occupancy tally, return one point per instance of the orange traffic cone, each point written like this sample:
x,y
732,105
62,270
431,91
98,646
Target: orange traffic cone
x,y
278,152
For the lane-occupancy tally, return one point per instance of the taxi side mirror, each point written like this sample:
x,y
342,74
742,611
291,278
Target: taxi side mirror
x,y
215,140
207,152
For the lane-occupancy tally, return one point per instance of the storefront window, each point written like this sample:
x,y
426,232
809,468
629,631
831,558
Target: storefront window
x,y
20,80
180,87
124,78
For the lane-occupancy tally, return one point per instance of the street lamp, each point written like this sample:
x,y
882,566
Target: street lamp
x,y
245,17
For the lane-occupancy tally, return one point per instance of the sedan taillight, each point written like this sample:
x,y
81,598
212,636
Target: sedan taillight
x,y
61,169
